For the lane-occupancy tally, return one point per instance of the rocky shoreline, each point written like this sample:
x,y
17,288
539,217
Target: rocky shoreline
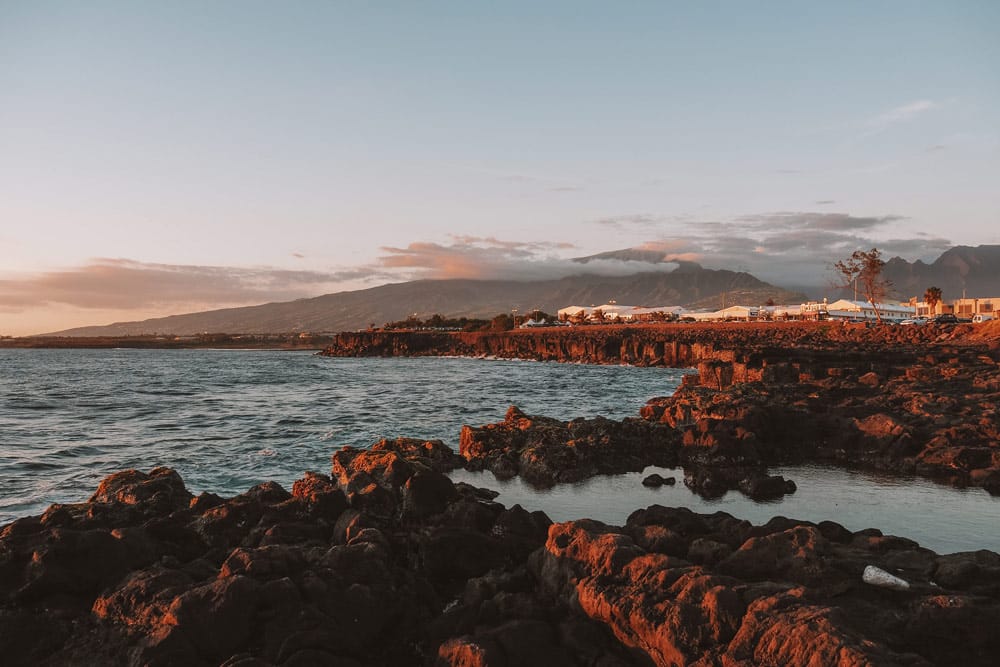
x,y
904,400
386,561
672,345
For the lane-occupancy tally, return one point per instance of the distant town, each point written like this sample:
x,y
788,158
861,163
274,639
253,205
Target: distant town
x,y
913,311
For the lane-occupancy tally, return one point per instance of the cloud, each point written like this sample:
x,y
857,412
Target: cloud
x,y
903,113
797,220
783,247
635,221
789,248
825,202
526,247
896,116
491,259
127,284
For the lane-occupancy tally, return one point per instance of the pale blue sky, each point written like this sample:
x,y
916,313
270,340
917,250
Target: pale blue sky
x,y
293,142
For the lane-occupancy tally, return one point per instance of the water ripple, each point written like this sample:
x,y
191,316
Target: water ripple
x,y
229,419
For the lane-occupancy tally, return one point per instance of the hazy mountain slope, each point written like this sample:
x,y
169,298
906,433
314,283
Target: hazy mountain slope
x,y
976,270
476,298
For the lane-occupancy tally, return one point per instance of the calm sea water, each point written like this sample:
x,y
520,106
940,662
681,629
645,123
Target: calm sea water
x,y
940,518
227,420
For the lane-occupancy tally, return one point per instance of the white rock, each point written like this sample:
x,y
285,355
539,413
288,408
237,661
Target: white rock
x,y
878,577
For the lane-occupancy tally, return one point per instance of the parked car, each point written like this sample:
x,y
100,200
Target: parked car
x,y
979,318
914,321
950,318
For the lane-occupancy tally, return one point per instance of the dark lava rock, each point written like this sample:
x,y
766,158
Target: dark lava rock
x,y
656,480
546,451
387,562
766,487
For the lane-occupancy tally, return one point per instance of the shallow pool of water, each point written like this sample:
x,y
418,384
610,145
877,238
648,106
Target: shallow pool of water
x,y
940,518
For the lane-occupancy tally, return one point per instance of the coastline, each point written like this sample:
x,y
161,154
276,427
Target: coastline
x,y
385,560
905,400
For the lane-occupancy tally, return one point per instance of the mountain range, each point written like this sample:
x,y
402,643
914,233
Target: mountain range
x,y
974,271
689,285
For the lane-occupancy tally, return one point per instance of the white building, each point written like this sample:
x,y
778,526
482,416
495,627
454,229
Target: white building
x,y
744,313
613,311
976,306
847,309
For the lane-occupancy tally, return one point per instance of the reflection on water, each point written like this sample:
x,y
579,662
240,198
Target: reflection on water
x,y
940,518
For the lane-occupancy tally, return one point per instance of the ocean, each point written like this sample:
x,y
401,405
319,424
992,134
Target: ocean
x,y
229,419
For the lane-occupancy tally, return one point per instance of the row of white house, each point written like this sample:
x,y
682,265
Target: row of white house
x,y
842,309
613,311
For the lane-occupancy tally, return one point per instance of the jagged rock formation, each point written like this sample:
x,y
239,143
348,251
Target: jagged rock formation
x,y
677,345
545,452
386,562
934,415
902,399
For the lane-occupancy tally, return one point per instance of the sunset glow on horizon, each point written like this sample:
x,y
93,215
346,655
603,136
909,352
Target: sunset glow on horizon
x,y
157,159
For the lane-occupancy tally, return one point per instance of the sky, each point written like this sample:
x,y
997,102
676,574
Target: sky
x,y
159,158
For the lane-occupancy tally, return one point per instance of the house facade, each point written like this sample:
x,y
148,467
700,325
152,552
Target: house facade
x,y
968,308
848,309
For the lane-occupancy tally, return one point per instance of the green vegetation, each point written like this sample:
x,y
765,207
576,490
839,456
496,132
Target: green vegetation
x,y
437,322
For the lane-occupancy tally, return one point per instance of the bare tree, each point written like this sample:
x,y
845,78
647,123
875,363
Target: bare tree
x,y
864,269
932,297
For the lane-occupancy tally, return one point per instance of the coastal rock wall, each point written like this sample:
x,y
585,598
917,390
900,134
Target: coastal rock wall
x,y
597,347
908,400
677,345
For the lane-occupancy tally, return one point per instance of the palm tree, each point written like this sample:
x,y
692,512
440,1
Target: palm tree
x,y
932,297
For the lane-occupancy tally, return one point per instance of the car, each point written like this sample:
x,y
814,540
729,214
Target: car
x,y
946,318
979,318
917,321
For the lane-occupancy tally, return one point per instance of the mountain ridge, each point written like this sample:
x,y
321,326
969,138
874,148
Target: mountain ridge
x,y
974,270
355,309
